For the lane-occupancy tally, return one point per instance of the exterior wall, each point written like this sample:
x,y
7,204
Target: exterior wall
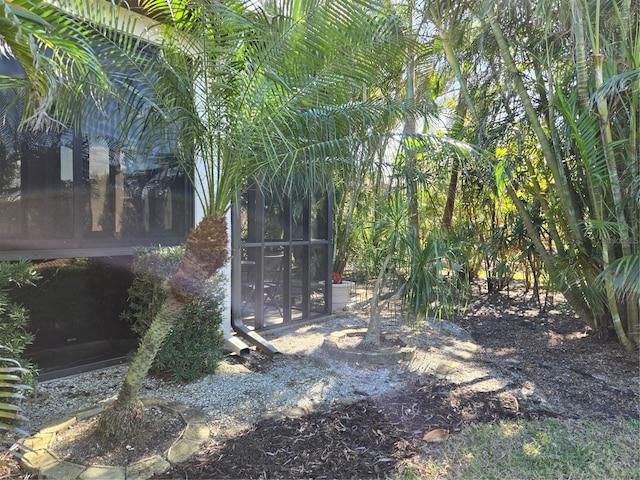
x,y
65,195
94,174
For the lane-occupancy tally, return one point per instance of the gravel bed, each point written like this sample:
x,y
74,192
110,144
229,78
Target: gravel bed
x,y
301,379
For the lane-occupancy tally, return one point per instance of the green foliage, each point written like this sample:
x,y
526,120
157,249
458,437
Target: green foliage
x,y
15,318
623,274
430,272
194,346
437,284
383,242
12,390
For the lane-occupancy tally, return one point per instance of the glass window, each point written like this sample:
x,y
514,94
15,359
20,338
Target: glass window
x,y
47,200
89,187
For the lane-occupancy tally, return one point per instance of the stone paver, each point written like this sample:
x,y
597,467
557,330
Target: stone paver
x,y
102,472
40,461
147,467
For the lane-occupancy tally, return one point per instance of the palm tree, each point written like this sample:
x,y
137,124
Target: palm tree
x,y
582,170
249,91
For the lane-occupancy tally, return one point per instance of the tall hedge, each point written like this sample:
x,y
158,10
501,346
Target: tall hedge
x,y
194,347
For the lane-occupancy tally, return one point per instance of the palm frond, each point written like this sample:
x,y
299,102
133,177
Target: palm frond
x,y
277,90
624,276
615,85
11,392
59,67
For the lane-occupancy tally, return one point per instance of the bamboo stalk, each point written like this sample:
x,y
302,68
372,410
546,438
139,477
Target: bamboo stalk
x,y
574,297
613,302
552,161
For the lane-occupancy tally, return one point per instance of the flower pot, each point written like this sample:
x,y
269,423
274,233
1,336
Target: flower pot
x,y
340,293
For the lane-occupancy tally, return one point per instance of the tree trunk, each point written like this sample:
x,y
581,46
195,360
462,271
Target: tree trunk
x,y
372,337
582,75
409,130
122,417
570,291
447,216
205,253
562,187
613,302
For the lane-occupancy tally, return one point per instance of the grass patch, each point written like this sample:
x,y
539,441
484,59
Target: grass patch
x,y
547,449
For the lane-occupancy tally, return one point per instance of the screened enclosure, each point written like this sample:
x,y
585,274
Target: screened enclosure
x,y
281,256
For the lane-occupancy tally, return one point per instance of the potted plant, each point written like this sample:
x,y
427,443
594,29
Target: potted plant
x,y
341,291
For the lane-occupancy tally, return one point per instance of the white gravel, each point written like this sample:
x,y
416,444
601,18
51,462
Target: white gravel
x,y
300,380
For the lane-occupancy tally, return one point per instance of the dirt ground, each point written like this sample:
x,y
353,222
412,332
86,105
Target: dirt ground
x,y
547,363
574,375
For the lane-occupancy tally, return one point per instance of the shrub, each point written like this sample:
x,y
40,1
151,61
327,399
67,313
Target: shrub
x,y
14,318
194,346
11,391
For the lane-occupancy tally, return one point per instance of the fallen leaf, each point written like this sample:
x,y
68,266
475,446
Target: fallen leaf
x,y
437,435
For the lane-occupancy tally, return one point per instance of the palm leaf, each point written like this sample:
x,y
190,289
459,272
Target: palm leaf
x,y
11,389
59,64
274,89
617,84
623,275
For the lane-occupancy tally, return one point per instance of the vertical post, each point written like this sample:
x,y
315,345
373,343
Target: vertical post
x,y
259,268
328,297
236,264
286,274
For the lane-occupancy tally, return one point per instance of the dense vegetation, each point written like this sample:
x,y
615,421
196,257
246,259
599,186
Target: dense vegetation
x,y
14,318
464,138
15,372
529,166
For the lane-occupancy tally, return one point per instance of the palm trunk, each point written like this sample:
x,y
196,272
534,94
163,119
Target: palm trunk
x,y
122,417
409,129
582,75
613,302
617,193
609,154
205,253
462,81
554,164
465,103
372,337
447,216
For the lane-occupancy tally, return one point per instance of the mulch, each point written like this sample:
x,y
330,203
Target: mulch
x,y
580,375
365,439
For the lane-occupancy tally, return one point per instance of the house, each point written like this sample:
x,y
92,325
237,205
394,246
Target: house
x,y
87,194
